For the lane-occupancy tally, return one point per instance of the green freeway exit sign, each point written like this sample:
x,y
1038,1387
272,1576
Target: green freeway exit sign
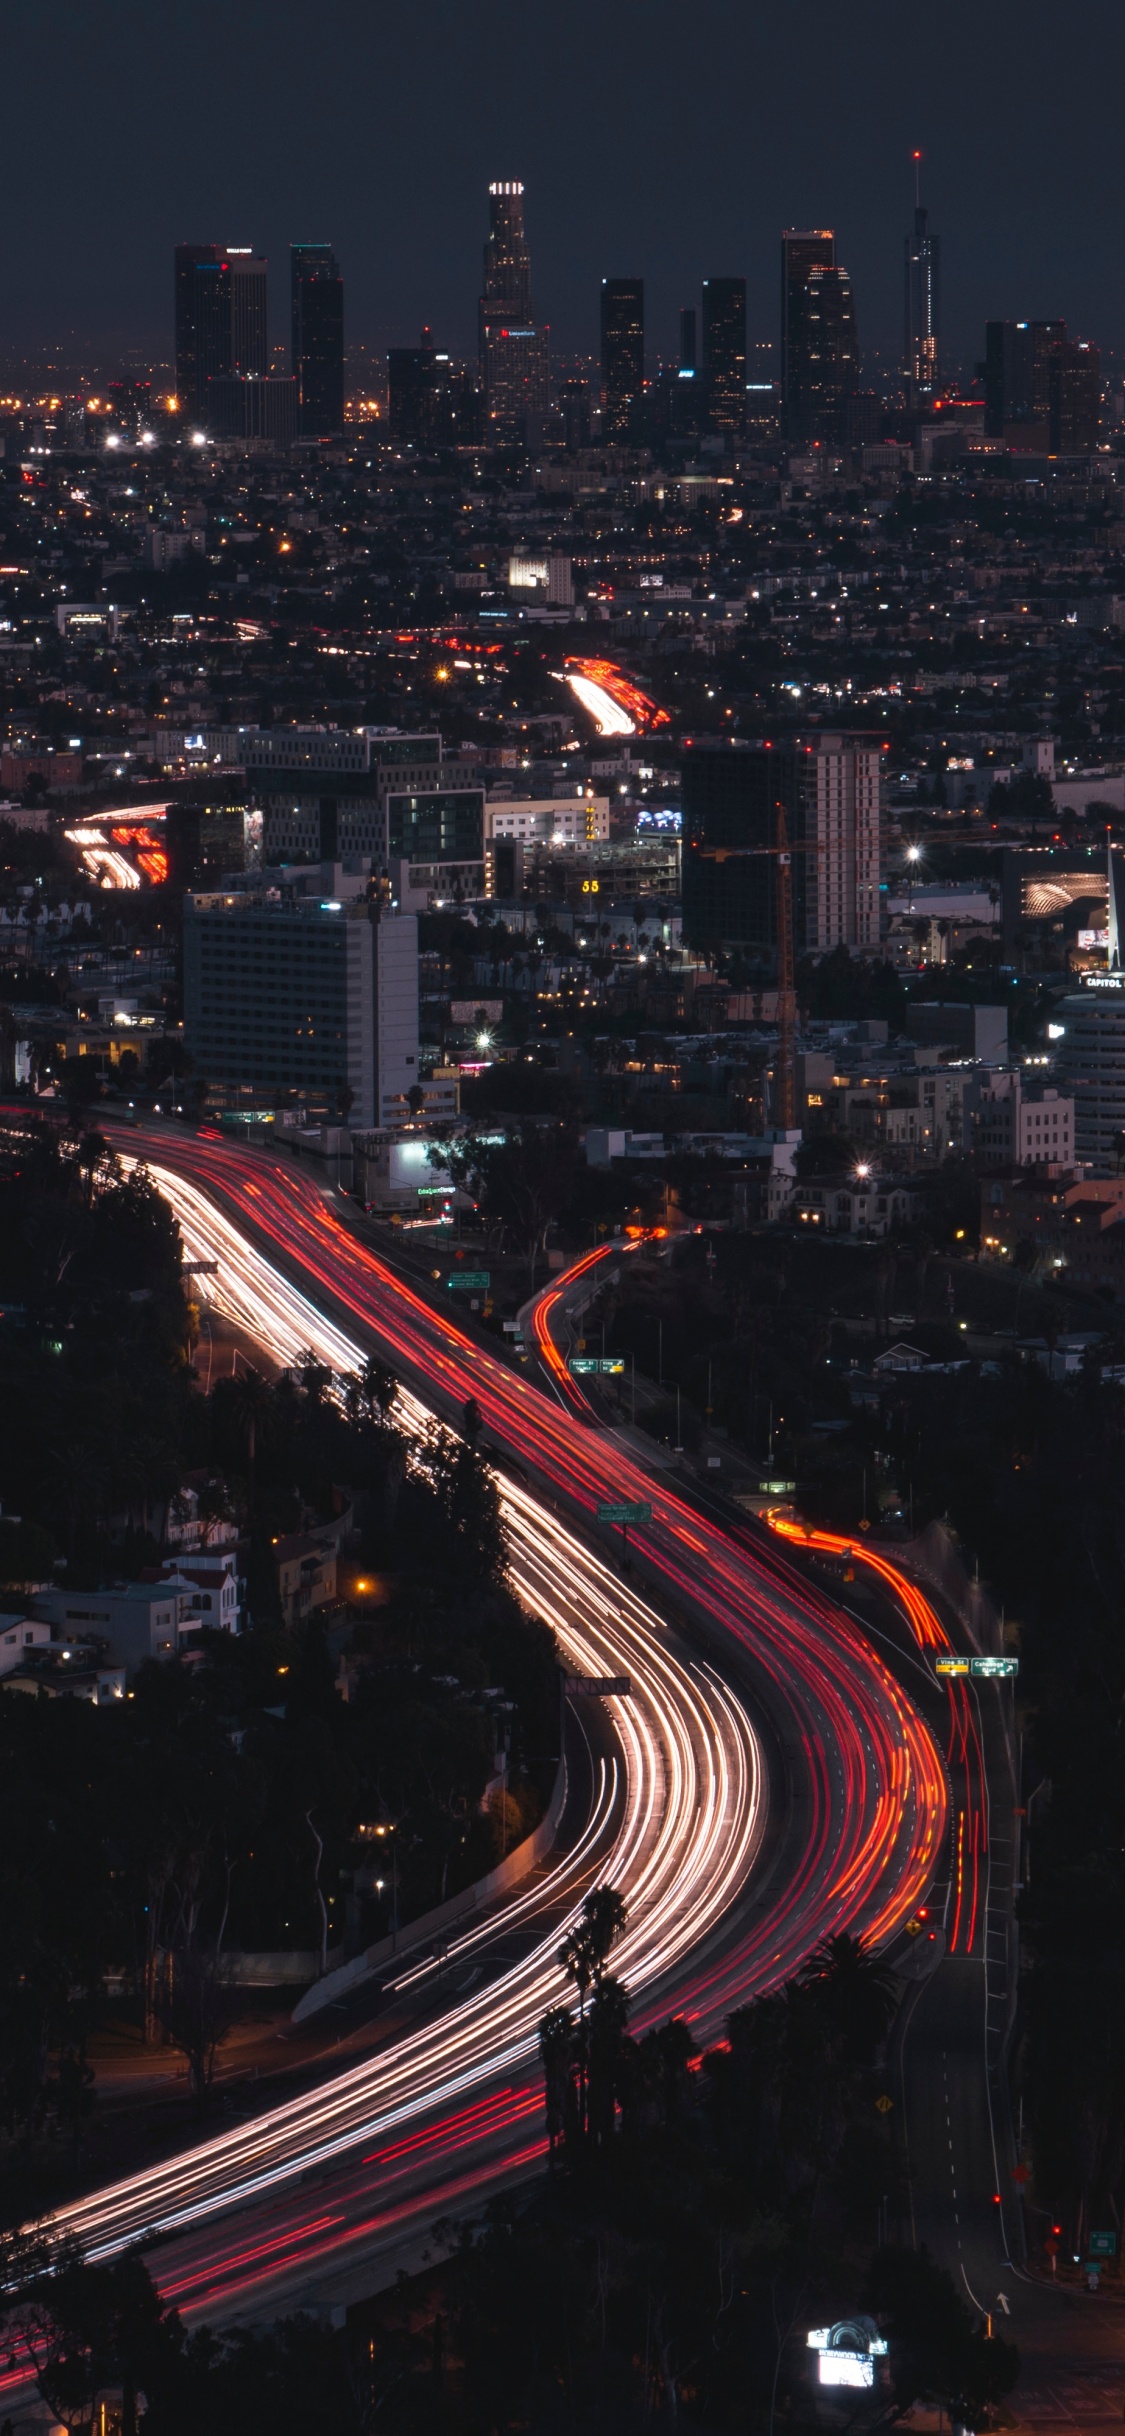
x,y
479,1279
639,1513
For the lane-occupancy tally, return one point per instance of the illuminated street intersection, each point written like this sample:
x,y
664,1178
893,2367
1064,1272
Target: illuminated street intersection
x,y
766,1782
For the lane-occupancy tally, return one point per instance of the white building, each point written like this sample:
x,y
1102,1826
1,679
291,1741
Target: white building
x,y
1018,1128
547,820
1091,1066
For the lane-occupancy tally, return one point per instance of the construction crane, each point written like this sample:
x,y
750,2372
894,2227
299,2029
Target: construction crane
x,y
782,852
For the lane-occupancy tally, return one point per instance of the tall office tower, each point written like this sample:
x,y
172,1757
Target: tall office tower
x,y
724,353
688,357
221,324
623,354
513,347
249,322
832,360
922,331
1017,379
803,250
424,396
1074,398
317,316
828,786
574,403
191,300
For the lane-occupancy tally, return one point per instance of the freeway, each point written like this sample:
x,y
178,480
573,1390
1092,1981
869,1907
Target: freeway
x,y
301,2201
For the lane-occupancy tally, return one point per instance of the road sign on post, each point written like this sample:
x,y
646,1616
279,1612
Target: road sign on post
x,y
640,1512
951,1666
479,1279
1103,2245
995,1670
609,1366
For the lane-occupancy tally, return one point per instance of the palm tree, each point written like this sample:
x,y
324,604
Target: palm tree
x,y
252,1397
556,2051
858,1990
583,1956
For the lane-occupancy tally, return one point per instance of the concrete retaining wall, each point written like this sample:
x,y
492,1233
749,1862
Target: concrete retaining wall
x,y
508,1873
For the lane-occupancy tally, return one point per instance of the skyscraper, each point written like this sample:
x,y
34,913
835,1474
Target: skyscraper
x,y
1017,378
189,261
317,311
724,353
221,320
623,354
249,316
803,250
832,354
513,347
1075,398
922,324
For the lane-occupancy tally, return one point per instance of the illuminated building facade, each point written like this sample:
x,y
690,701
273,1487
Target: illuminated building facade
x,y
803,250
623,354
514,349
922,334
724,353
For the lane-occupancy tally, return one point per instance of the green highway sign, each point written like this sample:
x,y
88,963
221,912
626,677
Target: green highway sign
x,y
1103,2245
609,1365
479,1279
951,1666
639,1513
995,1670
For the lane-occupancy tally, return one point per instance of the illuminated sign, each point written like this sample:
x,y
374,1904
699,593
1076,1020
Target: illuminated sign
x,y
848,2351
611,1366
951,1666
478,1279
995,1670
639,1512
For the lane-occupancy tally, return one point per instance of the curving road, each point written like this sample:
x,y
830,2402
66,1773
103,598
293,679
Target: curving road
x,y
777,1791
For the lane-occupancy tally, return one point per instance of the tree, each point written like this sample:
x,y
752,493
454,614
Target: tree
x,y
857,1991
520,1183
583,1955
936,2353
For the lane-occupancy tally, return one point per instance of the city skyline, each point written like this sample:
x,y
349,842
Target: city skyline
x,y
1012,168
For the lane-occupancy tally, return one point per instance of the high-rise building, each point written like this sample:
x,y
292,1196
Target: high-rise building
x,y
828,787
306,990
189,261
317,316
416,377
623,354
222,329
803,250
724,353
249,315
831,365
574,404
513,347
688,356
1091,1067
245,406
922,330
1017,378
1074,395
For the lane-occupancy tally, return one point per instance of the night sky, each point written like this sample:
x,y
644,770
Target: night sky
x,y
671,137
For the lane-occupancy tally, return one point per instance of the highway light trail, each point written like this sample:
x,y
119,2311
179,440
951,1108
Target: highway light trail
x,y
676,1822
969,1859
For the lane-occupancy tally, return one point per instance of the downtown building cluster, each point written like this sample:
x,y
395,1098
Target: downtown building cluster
x,y
543,658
